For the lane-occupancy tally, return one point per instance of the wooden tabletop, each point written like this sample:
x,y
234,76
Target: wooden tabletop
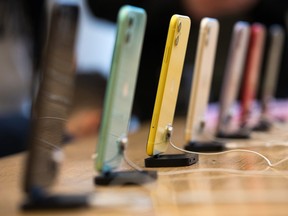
x,y
235,183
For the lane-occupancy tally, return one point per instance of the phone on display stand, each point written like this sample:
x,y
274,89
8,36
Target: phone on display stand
x,y
49,113
166,98
113,135
200,89
231,82
251,74
272,67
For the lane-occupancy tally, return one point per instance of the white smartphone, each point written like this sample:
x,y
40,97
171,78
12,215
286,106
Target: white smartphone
x,y
202,75
233,74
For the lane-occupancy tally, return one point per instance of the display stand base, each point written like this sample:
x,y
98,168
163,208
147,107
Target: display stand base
x,y
205,146
263,126
39,199
125,178
240,134
171,160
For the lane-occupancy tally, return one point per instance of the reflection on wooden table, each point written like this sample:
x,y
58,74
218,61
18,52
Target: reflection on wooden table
x,y
237,183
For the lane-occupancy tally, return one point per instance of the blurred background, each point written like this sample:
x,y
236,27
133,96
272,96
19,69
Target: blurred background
x,y
22,39
23,32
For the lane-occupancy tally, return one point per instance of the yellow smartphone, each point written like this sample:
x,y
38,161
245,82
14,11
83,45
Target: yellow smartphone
x,y
202,75
168,85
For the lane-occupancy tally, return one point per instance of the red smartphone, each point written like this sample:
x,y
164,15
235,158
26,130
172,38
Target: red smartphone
x,y
252,70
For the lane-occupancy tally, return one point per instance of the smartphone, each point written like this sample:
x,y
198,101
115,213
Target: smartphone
x,y
168,86
252,70
54,97
202,75
233,74
131,24
275,49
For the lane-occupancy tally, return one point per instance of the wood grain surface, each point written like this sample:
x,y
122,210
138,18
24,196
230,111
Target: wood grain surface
x,y
235,183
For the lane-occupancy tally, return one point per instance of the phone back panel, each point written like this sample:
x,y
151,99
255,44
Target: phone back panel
x,y
168,86
202,75
233,72
252,70
54,98
120,90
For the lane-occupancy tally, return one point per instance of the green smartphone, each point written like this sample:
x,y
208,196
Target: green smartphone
x,y
131,24
54,97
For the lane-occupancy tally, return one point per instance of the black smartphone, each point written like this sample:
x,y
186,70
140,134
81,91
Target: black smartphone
x,y
53,98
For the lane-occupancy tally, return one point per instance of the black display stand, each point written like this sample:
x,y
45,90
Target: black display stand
x,y
205,146
131,177
39,199
125,178
171,160
263,126
240,134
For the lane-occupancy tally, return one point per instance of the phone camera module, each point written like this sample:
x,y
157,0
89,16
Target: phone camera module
x,y
179,26
130,21
128,37
208,29
177,40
